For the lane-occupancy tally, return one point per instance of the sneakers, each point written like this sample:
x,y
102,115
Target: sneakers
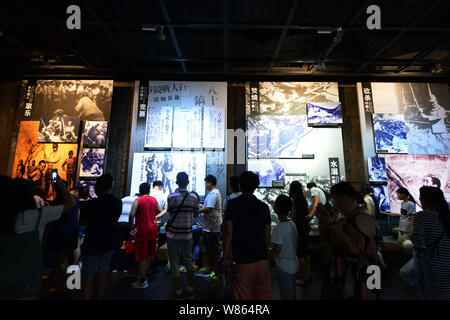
x,y
182,269
140,285
196,267
212,276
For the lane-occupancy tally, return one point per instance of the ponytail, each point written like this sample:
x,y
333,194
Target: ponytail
x,y
407,194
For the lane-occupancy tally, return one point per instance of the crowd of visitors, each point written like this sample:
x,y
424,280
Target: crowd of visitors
x,y
231,239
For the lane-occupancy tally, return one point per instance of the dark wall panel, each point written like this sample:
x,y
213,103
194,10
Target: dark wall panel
x,y
118,138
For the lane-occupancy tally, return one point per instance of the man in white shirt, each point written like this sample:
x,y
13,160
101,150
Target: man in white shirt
x,y
157,193
212,224
318,196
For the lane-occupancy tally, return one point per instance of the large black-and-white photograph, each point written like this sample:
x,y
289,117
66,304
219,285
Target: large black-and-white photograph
x,y
390,133
59,129
92,162
426,109
377,169
95,133
281,98
381,193
267,170
164,166
276,136
323,113
85,99
414,171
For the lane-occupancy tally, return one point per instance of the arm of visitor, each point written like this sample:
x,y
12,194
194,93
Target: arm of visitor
x,y
69,203
133,210
314,207
162,213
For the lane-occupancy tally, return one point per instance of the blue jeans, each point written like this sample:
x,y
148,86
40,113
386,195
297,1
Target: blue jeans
x,y
286,284
196,241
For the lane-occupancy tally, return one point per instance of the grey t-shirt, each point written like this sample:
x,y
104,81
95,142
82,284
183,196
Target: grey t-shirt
x,y
318,192
407,210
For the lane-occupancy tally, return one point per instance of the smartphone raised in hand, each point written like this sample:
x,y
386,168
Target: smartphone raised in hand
x,y
54,175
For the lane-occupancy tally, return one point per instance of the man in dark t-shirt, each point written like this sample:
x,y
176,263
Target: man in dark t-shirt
x,y
100,216
246,241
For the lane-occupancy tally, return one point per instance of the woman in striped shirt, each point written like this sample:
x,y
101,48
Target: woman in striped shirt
x,y
431,239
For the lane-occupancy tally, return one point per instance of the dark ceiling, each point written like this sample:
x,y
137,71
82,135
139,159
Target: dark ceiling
x,y
225,39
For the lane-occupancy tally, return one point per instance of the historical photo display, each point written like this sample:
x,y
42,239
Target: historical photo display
x,y
377,169
390,133
276,136
187,128
290,98
323,113
414,171
267,170
381,193
92,162
59,129
84,99
426,109
95,133
158,132
164,166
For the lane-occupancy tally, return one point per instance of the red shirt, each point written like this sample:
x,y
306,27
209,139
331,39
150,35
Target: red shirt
x,y
146,219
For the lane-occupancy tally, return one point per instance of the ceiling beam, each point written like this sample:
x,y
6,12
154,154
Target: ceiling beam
x,y
109,35
167,20
225,13
284,32
399,35
423,54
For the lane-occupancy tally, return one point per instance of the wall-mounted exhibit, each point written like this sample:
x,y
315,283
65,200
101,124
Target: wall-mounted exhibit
x,y
51,134
184,125
408,118
293,132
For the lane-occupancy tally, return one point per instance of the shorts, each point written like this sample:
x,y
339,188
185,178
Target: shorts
x,y
211,241
94,265
145,249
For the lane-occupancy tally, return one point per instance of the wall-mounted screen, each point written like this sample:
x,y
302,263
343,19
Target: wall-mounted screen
x,y
377,169
390,133
324,113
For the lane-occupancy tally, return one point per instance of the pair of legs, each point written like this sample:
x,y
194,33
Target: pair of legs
x,y
95,267
211,241
174,248
58,275
145,256
253,282
304,270
286,285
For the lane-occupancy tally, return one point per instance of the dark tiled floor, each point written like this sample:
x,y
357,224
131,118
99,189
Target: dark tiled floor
x,y
161,288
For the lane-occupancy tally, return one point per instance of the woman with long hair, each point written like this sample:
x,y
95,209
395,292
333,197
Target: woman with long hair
x,y
355,244
431,240
407,212
299,216
371,203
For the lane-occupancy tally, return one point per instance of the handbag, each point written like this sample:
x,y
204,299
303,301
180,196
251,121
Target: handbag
x,y
410,272
172,219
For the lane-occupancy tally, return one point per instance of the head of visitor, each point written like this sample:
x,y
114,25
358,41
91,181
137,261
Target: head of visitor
x,y
83,192
432,199
234,184
311,185
346,198
295,189
282,206
158,185
248,182
19,193
210,182
431,181
404,195
104,185
58,194
144,189
182,180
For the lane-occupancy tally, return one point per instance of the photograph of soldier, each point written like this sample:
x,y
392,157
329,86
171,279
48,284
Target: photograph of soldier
x,y
92,162
85,99
58,129
95,133
69,166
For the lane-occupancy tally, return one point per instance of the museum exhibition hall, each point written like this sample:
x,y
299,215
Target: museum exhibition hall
x,y
347,99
